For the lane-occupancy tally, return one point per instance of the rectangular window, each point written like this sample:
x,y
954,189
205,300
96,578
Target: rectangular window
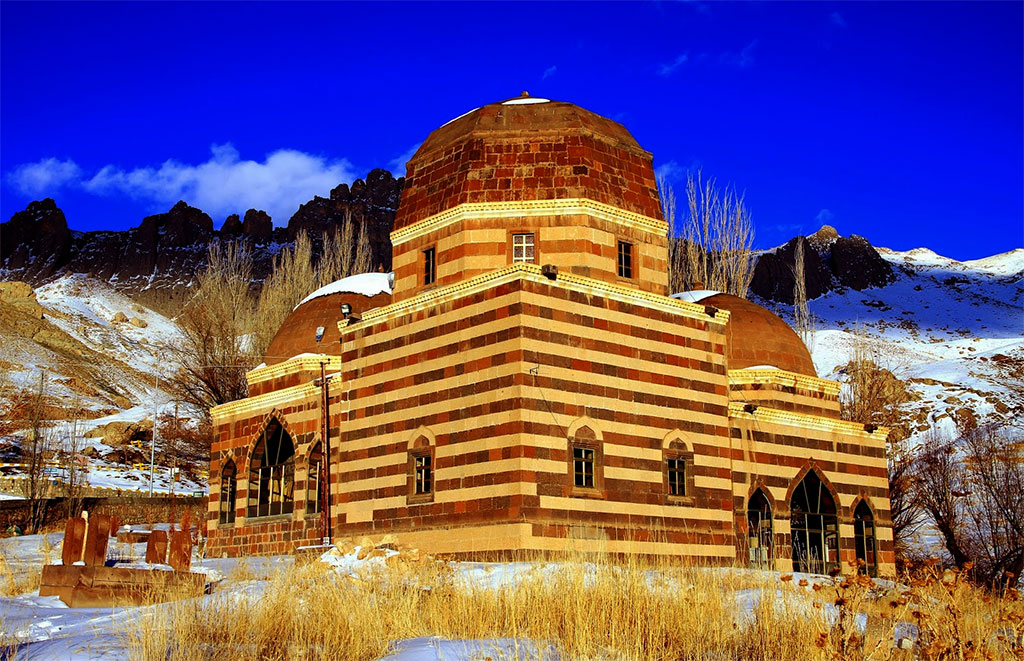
x,y
625,259
583,467
522,248
429,266
677,477
424,477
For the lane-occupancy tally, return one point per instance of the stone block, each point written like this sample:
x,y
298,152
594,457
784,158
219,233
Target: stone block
x,y
156,547
74,541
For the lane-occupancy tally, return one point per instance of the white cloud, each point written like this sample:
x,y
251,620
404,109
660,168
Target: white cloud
x,y
670,171
824,216
226,184
550,71
742,59
669,69
45,177
397,164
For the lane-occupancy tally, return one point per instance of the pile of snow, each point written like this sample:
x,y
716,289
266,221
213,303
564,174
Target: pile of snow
x,y
364,284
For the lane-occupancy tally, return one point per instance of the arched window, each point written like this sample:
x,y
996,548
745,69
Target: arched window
x,y
585,461
815,527
760,539
421,481
228,482
864,538
678,471
272,472
315,480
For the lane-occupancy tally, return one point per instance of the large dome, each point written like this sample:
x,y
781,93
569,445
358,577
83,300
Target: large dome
x,y
757,336
528,148
322,308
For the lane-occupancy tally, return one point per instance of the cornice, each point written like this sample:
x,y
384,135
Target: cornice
x,y
291,366
532,272
785,378
528,209
266,401
807,421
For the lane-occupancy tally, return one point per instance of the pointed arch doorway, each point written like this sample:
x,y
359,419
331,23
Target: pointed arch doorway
x,y
814,526
760,537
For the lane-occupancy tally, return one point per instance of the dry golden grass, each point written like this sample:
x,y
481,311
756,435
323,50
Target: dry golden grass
x,y
598,610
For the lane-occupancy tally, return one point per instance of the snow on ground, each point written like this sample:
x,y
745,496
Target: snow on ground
x,y
955,330
45,628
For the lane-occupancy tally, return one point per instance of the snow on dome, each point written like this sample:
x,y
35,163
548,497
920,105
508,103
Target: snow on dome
x,y
460,116
695,296
366,284
526,100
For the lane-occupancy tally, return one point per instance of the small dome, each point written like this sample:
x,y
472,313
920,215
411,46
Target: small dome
x,y
322,309
757,336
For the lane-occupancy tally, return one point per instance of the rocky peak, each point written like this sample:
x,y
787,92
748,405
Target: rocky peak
x,y
831,262
232,226
258,226
37,239
823,239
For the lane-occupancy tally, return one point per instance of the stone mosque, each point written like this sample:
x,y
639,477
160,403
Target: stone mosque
x,y
523,382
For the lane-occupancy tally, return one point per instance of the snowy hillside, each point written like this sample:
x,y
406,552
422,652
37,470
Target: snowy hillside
x,y
954,330
102,354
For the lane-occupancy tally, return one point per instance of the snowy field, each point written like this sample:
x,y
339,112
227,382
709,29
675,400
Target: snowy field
x,y
43,628
953,330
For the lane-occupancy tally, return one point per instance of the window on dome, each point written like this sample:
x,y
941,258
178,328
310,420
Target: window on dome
x,y
523,248
429,266
625,259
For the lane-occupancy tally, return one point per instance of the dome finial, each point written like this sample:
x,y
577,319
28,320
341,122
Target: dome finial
x,y
524,94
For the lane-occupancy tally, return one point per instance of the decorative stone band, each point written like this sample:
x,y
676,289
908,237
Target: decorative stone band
x,y
784,378
527,209
807,421
301,363
532,272
266,401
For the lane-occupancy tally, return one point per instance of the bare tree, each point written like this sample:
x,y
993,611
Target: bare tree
x,y
874,393
801,312
676,247
995,506
716,239
292,279
362,262
74,473
36,449
216,349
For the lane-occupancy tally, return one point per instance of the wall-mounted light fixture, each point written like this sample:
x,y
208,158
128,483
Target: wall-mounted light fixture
x,y
346,310
749,408
550,271
710,310
319,334
870,428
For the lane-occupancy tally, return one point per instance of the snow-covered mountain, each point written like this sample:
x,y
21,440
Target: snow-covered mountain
x,y
953,330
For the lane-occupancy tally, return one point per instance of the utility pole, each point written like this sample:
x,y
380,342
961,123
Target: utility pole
x,y
325,415
152,443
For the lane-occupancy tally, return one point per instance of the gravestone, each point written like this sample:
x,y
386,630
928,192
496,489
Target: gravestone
x,y
181,550
74,541
96,538
156,547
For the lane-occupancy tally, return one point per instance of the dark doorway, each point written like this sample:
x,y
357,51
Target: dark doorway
x,y
864,539
760,540
815,527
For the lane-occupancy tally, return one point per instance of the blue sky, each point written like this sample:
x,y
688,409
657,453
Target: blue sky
x,y
900,122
